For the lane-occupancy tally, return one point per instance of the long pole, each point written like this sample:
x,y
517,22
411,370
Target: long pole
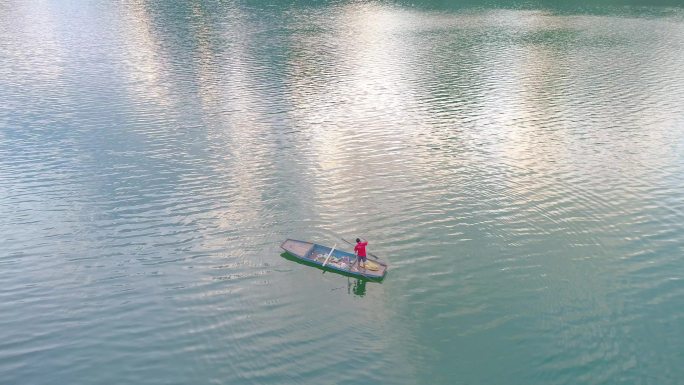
x,y
356,259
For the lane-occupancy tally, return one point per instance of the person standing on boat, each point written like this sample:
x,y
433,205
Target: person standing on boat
x,y
360,250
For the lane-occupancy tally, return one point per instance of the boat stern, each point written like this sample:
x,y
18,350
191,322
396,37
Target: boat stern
x,y
297,248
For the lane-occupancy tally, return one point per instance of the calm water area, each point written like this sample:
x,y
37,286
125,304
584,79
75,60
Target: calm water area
x,y
520,166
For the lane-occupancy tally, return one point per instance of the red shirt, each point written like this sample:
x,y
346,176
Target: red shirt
x,y
360,249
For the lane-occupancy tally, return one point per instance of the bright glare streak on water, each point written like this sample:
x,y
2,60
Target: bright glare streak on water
x,y
521,170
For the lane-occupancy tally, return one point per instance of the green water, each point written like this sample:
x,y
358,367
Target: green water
x,y
520,166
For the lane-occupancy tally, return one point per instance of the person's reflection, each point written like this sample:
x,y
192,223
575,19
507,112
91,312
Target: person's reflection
x,y
359,287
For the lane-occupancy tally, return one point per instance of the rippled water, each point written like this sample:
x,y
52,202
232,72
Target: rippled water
x,y
520,167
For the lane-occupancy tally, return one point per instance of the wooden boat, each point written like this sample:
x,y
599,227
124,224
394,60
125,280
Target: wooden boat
x,y
334,259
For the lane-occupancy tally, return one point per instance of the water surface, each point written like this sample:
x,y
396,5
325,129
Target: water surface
x,y
519,165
